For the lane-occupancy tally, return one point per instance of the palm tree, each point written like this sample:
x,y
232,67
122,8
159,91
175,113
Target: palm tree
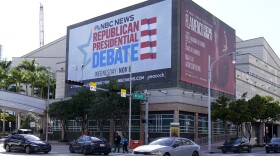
x,y
41,82
4,68
15,76
5,64
32,67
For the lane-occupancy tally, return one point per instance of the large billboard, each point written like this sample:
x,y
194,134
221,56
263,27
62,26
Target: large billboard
x,y
202,34
137,41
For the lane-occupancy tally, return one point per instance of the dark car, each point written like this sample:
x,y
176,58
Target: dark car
x,y
26,142
236,145
274,145
22,131
90,145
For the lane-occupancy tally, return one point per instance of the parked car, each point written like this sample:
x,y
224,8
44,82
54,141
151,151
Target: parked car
x,y
23,131
236,145
169,146
26,142
274,145
90,145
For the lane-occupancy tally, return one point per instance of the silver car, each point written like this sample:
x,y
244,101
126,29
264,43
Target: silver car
x,y
169,146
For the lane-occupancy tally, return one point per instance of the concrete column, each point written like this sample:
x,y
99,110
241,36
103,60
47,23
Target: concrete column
x,y
4,120
196,127
18,114
142,128
262,133
278,131
176,116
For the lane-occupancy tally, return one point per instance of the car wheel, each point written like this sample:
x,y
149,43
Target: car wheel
x,y
106,153
239,149
8,148
195,154
27,150
46,151
267,151
71,149
166,154
249,150
275,151
84,151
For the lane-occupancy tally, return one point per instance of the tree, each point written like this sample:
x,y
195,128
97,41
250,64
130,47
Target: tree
x,y
30,117
81,104
238,112
15,76
4,68
120,105
63,112
220,111
256,108
101,109
33,68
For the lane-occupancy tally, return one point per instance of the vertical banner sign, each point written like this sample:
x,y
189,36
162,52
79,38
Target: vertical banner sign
x,y
202,34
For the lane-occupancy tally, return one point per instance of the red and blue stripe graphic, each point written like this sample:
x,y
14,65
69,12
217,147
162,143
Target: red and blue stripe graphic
x,y
148,38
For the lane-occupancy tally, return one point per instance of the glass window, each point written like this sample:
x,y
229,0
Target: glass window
x,y
202,125
160,122
187,142
163,141
186,123
177,143
32,138
218,127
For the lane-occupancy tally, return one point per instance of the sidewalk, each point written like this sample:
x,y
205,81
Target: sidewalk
x,y
214,147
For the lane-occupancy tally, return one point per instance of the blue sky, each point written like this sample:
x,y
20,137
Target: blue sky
x,y
19,28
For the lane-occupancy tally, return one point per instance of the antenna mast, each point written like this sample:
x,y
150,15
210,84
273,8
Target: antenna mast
x,y
41,25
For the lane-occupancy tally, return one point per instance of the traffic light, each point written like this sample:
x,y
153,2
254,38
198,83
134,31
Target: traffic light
x,y
78,83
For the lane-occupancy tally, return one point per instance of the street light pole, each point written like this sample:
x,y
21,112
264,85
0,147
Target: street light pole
x,y
209,104
129,120
47,108
210,64
117,47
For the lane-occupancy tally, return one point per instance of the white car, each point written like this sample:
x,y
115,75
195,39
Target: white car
x,y
169,146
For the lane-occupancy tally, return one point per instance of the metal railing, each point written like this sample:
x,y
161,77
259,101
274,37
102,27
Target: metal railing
x,y
214,138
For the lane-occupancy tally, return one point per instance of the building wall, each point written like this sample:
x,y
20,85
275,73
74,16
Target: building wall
x,y
48,55
257,70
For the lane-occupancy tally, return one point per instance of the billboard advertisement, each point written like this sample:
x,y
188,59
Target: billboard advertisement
x,y
202,34
137,41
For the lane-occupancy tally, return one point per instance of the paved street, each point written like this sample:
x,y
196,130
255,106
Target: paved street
x,y
58,149
61,149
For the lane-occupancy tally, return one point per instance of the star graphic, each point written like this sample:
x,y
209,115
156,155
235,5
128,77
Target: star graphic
x,y
82,47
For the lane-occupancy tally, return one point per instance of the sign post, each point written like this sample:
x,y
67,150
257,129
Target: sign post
x,y
138,96
123,93
92,86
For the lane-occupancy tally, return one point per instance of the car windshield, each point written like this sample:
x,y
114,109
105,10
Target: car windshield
x,y
95,139
234,140
275,140
31,138
163,142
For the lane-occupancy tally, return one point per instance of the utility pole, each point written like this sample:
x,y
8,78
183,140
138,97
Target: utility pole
x,y
41,25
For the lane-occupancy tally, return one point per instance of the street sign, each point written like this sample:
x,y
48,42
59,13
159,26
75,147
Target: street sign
x,y
92,86
32,124
138,96
123,93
